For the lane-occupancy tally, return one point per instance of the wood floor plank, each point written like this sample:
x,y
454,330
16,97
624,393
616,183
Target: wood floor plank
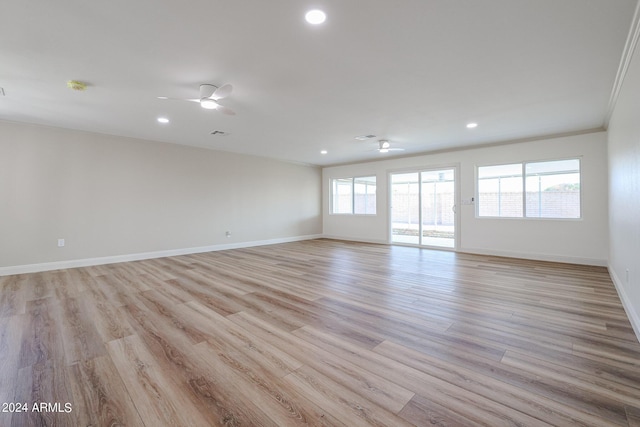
x,y
113,290
633,414
63,285
37,286
161,310
627,354
13,298
365,382
171,289
281,405
320,332
222,298
349,407
550,387
422,411
41,340
520,398
100,393
45,383
74,324
549,346
221,331
466,403
628,395
215,389
106,317
83,278
10,340
153,393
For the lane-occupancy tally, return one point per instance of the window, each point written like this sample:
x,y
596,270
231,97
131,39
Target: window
x,y
533,190
500,190
553,189
354,195
342,190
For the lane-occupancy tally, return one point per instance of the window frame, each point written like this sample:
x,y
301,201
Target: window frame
x,y
353,180
523,165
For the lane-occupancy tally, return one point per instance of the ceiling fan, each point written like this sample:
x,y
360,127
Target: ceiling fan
x,y
385,146
209,97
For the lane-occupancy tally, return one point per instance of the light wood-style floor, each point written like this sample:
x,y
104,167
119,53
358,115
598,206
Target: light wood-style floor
x,y
318,333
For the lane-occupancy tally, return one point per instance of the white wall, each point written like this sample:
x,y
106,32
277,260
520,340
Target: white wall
x,y
580,241
110,196
624,193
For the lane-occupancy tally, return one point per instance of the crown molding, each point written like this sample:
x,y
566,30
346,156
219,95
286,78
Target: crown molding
x,y
625,61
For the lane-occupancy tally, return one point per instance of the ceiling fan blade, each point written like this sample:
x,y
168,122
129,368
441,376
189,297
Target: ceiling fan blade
x,y
166,98
206,90
226,110
221,92
386,150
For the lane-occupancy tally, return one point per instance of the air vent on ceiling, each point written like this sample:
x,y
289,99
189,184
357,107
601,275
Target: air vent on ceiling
x,y
219,133
364,137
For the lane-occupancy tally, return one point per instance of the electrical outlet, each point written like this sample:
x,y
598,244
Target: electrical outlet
x,y
60,243
228,234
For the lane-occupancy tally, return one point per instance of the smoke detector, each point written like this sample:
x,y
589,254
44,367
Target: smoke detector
x,y
76,85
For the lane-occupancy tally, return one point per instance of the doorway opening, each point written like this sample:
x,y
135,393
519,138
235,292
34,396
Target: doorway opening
x,y
423,209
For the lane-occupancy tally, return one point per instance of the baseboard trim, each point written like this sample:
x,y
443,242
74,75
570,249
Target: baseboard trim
x,y
87,262
537,257
355,239
632,314
505,254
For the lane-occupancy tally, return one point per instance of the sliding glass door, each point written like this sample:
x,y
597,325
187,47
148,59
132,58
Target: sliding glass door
x,y
423,208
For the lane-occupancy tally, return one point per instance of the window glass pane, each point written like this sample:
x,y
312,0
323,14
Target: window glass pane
x,y
553,189
500,190
405,207
500,171
364,191
566,166
341,196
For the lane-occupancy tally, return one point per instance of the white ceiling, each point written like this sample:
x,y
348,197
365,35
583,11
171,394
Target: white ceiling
x,y
411,71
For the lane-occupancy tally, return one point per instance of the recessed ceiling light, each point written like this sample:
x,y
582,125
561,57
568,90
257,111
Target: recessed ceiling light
x,y
162,97
472,125
163,120
315,17
324,152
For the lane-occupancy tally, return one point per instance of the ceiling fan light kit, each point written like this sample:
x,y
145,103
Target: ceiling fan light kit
x,y
210,94
209,97
208,103
384,146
